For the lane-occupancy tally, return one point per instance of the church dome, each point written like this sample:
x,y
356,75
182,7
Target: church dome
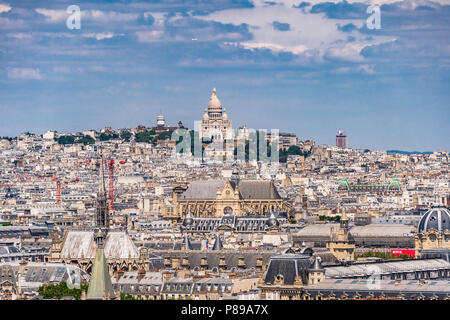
x,y
214,102
437,218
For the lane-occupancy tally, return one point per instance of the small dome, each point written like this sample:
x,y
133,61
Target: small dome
x,y
214,102
272,221
437,218
188,220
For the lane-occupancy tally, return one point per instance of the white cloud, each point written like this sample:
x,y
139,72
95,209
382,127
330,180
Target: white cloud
x,y
367,69
100,36
53,15
4,7
291,3
19,35
92,15
108,16
24,73
348,52
308,35
362,68
274,47
150,36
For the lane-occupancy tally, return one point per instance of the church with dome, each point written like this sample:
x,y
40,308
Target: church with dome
x,y
215,125
433,232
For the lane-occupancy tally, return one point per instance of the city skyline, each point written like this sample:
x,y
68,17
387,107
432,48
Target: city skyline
x,y
312,68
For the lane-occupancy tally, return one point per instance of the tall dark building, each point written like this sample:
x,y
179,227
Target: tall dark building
x,y
102,210
341,140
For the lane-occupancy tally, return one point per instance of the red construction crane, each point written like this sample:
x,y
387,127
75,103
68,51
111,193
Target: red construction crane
x,y
58,189
111,185
58,192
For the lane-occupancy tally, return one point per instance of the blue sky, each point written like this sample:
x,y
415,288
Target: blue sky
x,y
310,67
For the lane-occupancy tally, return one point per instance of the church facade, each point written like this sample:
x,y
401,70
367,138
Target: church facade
x,y
215,125
216,198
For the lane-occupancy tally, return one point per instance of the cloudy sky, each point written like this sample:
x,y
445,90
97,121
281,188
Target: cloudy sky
x,y
312,67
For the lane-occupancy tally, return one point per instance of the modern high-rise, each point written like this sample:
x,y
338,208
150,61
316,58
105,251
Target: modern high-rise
x,y
341,140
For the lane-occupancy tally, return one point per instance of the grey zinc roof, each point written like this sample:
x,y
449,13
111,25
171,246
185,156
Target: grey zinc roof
x,y
258,189
365,269
405,286
203,189
80,244
317,230
289,266
370,230
37,273
382,230
248,189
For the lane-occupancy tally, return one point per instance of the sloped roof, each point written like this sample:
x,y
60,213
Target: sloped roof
x,y
258,189
323,230
382,230
37,273
365,269
206,189
289,266
248,189
81,244
100,285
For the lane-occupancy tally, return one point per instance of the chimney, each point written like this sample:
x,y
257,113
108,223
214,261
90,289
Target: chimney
x,y
141,274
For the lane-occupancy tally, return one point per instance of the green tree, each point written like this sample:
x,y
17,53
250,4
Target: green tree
x,y
125,135
164,135
124,296
104,137
86,140
144,136
66,140
60,290
294,150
